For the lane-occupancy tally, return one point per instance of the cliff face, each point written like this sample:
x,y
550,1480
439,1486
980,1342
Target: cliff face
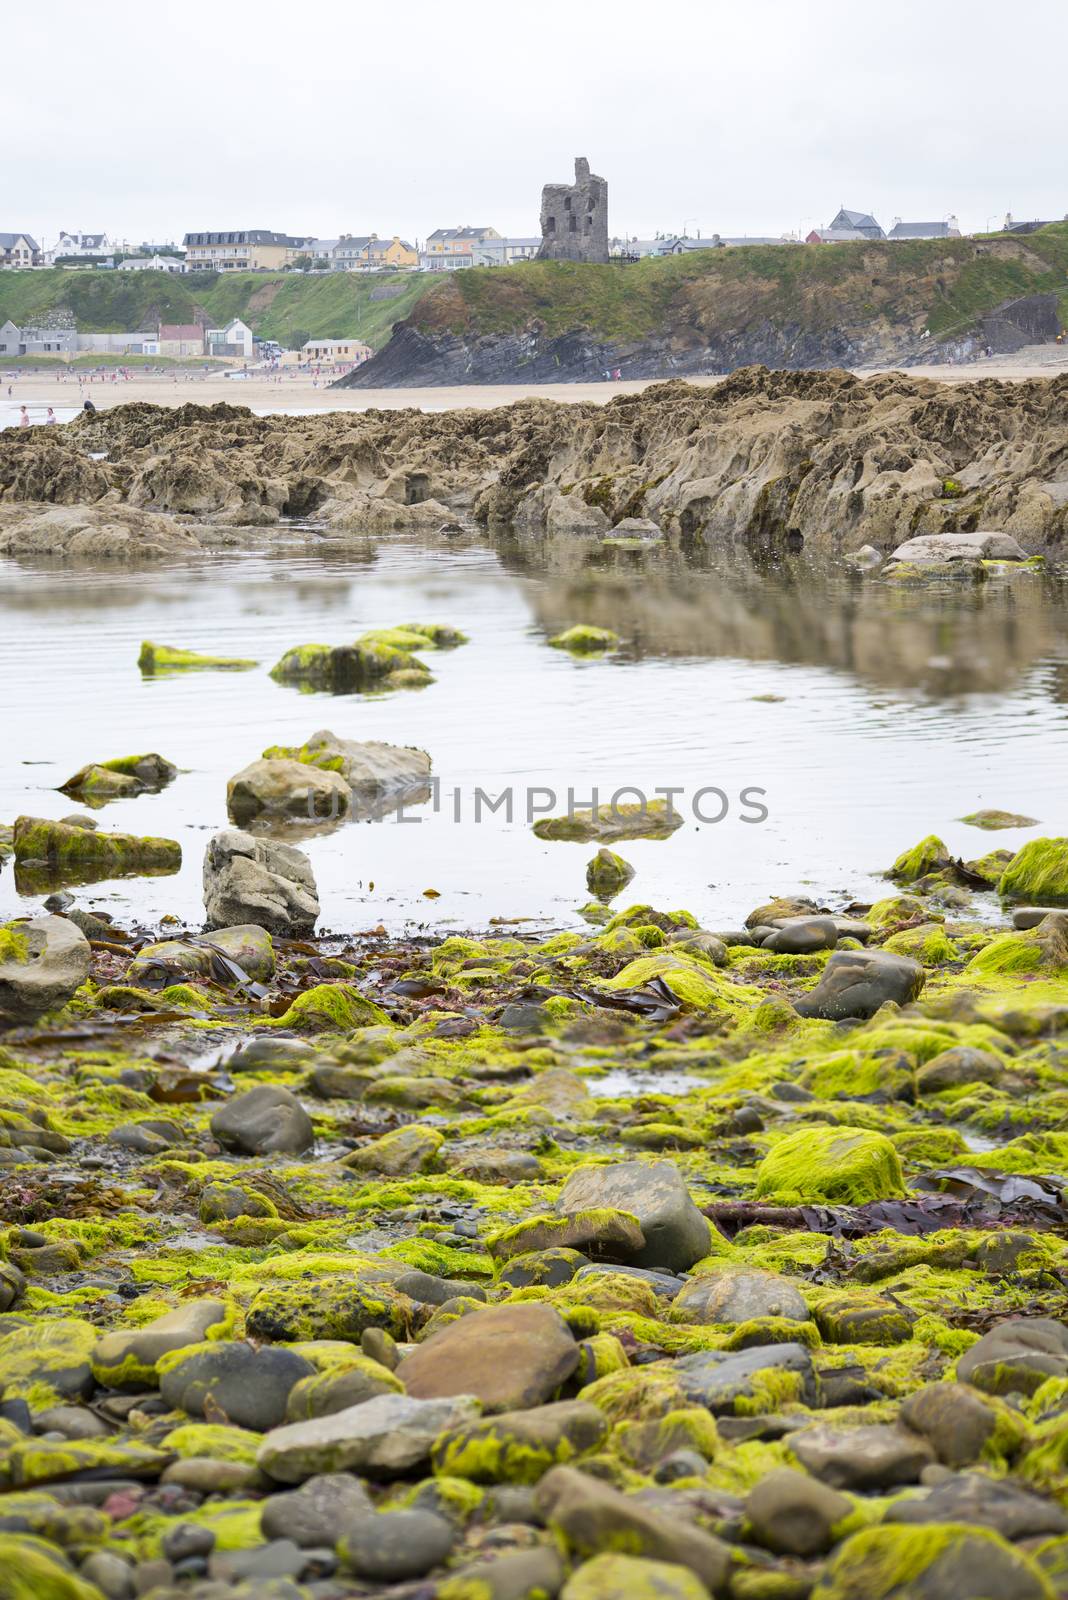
x,y
792,306
764,459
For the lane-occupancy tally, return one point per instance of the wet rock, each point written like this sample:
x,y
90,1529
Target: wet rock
x,y
1036,875
1017,1356
866,559
593,1518
286,789
993,819
127,1358
798,936
971,1499
513,1575
387,1546
607,873
251,880
370,767
935,1563
855,983
187,1539
780,910
508,1357
520,1446
958,1065
85,853
995,546
653,819
675,1234
1024,917
865,1458
843,1319
583,640
250,1386
597,1231
398,1154
110,1573
738,1295
495,1166
338,1389
639,528
381,1438
124,777
42,962
263,1120
317,1513
719,1379
794,1514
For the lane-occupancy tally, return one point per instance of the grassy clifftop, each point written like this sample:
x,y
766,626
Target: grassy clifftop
x,y
274,305
942,285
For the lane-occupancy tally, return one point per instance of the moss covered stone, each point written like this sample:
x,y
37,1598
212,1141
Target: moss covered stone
x,y
59,846
927,1563
1038,873
930,855
520,1446
585,640
166,658
846,1166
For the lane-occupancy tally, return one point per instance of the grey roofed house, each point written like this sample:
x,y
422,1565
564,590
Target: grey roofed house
x,y
925,230
8,241
835,235
862,221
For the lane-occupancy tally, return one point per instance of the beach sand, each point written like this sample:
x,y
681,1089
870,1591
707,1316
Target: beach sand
x,y
297,392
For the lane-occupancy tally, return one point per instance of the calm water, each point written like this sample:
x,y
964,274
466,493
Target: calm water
x,y
895,714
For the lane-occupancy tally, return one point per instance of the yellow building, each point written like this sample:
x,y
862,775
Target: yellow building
x,y
335,350
367,252
248,250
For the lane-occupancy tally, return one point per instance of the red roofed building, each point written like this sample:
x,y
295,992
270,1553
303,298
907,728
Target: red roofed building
x,y
181,339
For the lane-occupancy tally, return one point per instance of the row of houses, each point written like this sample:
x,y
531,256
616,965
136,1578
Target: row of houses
x,y
177,340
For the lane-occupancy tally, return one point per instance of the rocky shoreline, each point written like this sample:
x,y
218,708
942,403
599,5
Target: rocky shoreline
x,y
649,1260
766,460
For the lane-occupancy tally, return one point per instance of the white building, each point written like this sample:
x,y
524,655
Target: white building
x,y
152,264
82,244
236,339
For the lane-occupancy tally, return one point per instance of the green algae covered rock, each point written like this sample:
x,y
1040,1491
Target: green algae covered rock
x,y
585,640
107,855
520,1446
48,1359
608,873
649,819
1038,874
35,1570
125,777
930,855
622,1577
398,1154
127,1357
939,1561
43,962
31,1461
330,1008
843,1166
166,658
326,1308
597,1231
368,664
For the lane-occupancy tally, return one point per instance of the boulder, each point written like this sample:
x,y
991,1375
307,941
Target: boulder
x,y
972,1499
1017,1356
122,778
250,1386
251,880
127,1358
855,983
42,962
991,546
674,1231
607,873
794,1514
798,936
870,1457
370,767
398,1154
831,1164
721,1379
88,854
955,1420
736,1295
592,1518
381,1438
262,1121
945,1562
960,1064
508,1357
1038,873
289,789
520,1446
111,532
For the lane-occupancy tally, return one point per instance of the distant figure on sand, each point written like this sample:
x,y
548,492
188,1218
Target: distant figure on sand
x,y
51,417
24,418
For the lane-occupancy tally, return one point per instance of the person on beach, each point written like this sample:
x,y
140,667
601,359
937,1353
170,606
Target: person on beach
x,y
24,416
50,419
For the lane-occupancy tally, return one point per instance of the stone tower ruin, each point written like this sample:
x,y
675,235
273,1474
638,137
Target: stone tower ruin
x,y
574,218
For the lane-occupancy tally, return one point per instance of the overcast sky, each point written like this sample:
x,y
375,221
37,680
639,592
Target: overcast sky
x,y
734,116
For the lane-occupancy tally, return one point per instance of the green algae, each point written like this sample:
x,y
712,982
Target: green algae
x,y
583,640
1038,873
930,855
34,1570
166,658
845,1165
329,1008
882,1562
14,945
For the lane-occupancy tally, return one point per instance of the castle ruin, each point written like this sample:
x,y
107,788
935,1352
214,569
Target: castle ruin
x,y
574,218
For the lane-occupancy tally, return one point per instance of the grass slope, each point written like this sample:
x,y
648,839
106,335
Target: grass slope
x,y
274,305
943,285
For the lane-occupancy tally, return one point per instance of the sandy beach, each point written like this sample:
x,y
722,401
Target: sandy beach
x,y
300,391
